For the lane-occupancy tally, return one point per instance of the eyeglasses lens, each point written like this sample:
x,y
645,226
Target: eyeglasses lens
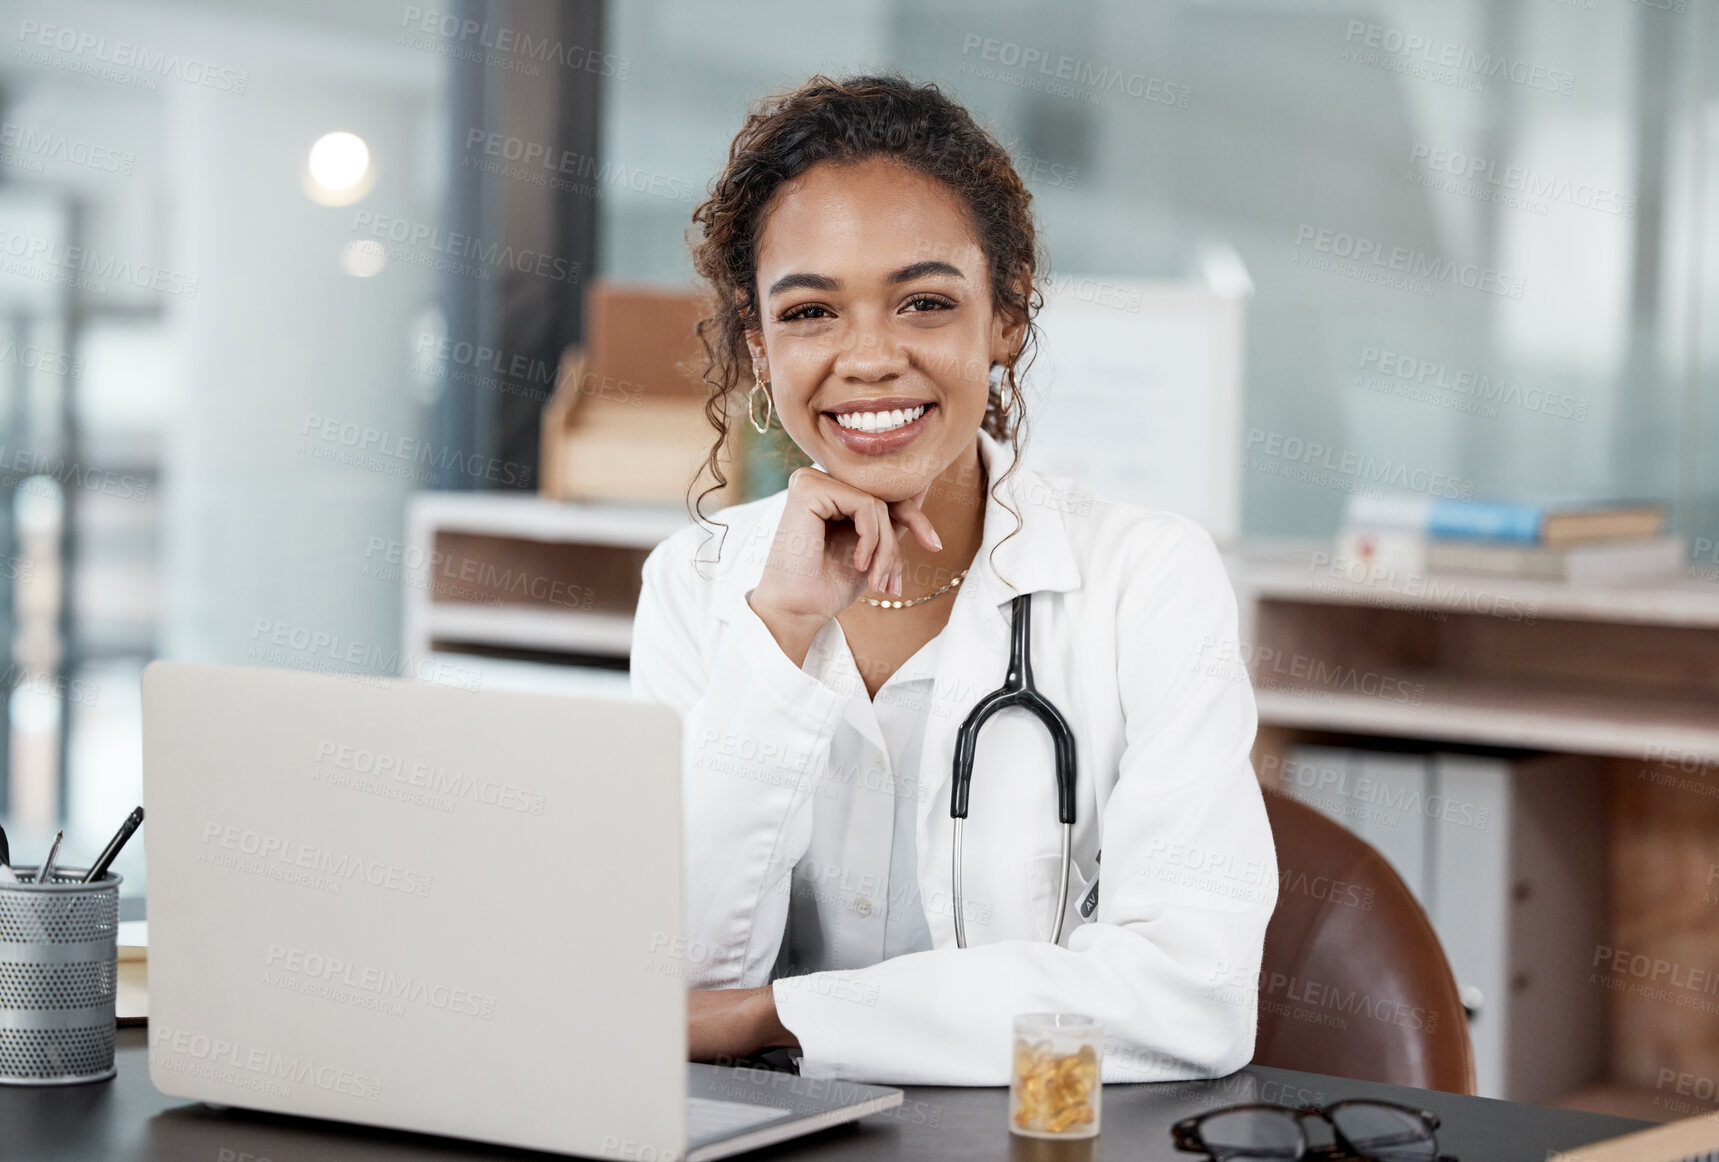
x,y
1385,1134
1263,1134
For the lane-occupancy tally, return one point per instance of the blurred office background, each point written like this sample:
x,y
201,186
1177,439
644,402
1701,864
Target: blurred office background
x,y
238,304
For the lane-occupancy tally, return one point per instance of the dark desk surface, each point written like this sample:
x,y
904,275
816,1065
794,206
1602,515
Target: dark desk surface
x,y
126,1120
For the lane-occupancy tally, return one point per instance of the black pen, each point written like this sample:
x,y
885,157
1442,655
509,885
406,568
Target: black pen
x,y
111,851
45,873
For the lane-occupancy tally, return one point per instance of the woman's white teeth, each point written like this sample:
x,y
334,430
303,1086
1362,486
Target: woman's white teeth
x,y
879,421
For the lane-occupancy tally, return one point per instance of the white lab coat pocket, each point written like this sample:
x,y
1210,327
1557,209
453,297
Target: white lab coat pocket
x,y
1043,873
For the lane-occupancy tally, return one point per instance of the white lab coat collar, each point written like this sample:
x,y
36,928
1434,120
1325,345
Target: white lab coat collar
x,y
1037,557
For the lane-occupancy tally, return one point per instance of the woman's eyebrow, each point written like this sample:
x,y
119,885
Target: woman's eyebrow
x,y
823,282
819,282
921,269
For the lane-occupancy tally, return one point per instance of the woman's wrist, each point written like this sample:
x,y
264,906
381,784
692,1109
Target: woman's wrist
x,y
793,632
771,1032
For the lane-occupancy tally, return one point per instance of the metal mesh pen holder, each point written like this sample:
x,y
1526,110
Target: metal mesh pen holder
x,y
59,968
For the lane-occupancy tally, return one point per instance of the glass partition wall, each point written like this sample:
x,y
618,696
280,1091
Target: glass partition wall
x,y
192,312
1479,235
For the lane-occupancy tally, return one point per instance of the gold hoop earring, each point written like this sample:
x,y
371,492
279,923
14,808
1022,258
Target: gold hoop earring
x,y
752,404
1006,402
996,381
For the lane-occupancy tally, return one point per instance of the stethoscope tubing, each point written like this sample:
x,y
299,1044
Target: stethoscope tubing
x,y
1019,692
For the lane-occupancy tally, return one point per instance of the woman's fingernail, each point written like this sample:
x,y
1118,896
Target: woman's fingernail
x,y
936,541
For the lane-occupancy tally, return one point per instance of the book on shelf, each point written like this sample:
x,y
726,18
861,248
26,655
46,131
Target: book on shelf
x,y
1596,562
1549,523
1379,553
1376,553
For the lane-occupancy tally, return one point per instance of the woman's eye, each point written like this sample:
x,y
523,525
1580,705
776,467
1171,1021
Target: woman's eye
x,y
809,311
929,303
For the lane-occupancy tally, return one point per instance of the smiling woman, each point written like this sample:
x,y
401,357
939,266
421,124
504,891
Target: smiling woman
x,y
873,257
953,212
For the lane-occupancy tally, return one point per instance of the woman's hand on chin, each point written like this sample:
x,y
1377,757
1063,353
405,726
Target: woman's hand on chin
x,y
726,1023
833,541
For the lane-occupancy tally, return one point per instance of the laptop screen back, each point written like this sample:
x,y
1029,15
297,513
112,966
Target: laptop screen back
x,y
395,903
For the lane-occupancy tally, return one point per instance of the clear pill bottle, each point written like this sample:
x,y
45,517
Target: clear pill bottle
x,y
1054,1086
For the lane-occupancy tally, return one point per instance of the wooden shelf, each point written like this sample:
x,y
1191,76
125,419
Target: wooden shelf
x,y
1289,572
510,573
639,526
525,627
1628,673
537,677
1574,718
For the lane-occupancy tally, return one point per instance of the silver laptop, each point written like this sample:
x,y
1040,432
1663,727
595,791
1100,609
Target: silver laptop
x,y
435,909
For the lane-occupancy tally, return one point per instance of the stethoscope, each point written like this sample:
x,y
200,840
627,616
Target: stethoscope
x,y
1017,691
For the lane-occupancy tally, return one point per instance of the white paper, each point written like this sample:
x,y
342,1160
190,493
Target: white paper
x,y
1136,392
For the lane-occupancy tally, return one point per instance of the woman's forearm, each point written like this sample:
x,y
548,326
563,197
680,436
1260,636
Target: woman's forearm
x,y
726,1023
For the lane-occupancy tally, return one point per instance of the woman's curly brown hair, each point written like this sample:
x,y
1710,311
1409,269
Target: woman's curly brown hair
x,y
849,121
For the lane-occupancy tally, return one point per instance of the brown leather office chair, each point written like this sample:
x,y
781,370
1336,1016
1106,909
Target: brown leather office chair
x,y
1354,982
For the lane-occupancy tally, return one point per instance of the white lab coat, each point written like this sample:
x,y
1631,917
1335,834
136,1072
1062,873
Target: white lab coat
x,y
1133,638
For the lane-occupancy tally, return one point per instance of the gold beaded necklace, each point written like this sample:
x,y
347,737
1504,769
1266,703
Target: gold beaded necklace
x,y
909,604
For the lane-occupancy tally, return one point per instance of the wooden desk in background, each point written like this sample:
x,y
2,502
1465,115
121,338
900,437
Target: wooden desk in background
x,y
1627,675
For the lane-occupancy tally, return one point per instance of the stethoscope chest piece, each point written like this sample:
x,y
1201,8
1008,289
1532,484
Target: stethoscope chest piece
x,y
1017,691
